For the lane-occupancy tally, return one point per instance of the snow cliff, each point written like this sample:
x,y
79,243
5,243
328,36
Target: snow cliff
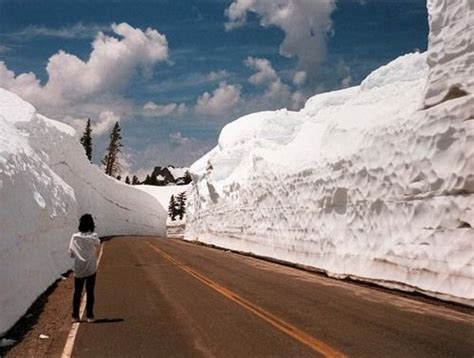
x,y
375,182
46,183
451,54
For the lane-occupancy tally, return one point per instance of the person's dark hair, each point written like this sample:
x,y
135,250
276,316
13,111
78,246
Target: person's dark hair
x,y
86,223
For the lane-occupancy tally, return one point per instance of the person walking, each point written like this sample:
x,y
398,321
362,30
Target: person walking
x,y
83,248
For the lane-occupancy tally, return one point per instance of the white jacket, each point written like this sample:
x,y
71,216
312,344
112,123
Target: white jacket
x,y
83,249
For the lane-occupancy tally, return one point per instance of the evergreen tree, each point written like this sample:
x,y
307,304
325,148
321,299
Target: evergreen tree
x,y
148,180
135,180
119,177
86,140
172,208
127,180
181,205
111,159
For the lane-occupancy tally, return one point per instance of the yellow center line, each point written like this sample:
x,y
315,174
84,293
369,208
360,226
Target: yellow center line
x,y
292,331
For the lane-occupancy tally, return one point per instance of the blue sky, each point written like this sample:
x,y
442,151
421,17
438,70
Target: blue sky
x,y
173,100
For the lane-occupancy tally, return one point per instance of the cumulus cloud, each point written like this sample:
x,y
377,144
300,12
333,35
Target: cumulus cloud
x,y
105,123
112,63
151,109
264,72
277,94
299,78
305,23
223,99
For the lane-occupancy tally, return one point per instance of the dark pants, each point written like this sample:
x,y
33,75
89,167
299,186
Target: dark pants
x,y
76,301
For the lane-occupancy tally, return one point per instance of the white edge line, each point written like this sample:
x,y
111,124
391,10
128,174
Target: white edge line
x,y
67,352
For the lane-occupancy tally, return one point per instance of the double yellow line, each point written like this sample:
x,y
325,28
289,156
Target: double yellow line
x,y
292,331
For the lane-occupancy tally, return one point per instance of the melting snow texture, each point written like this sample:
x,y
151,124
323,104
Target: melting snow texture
x,y
375,182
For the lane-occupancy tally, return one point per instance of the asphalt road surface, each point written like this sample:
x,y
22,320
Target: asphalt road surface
x,y
169,298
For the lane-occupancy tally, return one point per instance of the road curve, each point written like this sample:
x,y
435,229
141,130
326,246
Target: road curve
x,y
169,298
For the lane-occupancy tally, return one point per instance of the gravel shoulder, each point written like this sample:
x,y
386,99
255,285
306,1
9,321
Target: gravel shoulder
x,y
48,317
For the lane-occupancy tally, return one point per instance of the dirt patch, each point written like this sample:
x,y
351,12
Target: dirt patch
x,y
50,316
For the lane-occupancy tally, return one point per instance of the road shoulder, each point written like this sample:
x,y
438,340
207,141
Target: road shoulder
x,y
43,330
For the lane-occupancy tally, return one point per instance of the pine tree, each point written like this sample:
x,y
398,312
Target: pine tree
x,y
148,180
135,180
127,180
86,140
172,208
181,205
119,177
111,159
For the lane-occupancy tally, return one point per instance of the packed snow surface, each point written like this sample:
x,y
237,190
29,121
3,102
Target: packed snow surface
x,y
361,182
451,50
46,183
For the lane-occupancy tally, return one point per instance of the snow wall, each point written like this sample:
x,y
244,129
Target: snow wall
x,y
374,182
46,184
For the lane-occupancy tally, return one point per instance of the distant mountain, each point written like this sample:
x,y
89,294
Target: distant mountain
x,y
170,175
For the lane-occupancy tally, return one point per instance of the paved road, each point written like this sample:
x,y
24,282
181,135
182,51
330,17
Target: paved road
x,y
167,298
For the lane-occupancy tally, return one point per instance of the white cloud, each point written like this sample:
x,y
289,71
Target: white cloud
x,y
344,72
111,64
77,31
166,152
299,78
178,139
277,93
223,99
305,23
217,75
106,121
189,80
151,109
264,72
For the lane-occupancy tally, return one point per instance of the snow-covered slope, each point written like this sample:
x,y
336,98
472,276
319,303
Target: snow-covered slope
x,y
46,183
178,172
367,182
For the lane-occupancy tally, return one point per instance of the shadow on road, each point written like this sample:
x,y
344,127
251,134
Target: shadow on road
x,y
109,320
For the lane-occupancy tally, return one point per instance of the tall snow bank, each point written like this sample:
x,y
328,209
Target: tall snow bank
x,y
46,183
359,183
451,50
